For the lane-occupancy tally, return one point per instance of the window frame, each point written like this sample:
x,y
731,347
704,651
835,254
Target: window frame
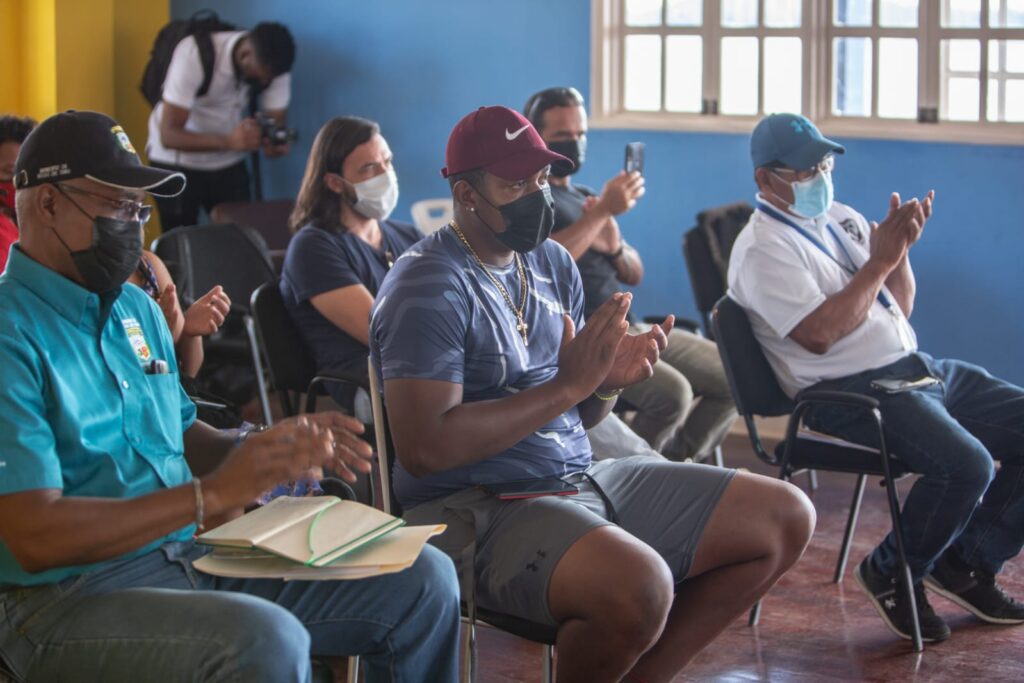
x,y
608,31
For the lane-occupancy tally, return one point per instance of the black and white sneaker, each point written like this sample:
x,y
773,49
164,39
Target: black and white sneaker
x,y
887,595
974,590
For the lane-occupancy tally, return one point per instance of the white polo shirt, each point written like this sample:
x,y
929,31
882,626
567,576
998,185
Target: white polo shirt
x,y
219,111
779,276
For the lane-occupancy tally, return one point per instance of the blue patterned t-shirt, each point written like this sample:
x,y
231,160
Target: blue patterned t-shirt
x,y
438,316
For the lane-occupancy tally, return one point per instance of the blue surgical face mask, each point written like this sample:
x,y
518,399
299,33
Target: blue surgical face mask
x,y
812,197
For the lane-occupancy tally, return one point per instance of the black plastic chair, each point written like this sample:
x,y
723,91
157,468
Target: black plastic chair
x,y
280,355
522,628
269,218
756,392
706,250
200,257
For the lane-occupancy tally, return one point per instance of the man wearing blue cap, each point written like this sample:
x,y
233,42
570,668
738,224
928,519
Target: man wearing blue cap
x,y
828,296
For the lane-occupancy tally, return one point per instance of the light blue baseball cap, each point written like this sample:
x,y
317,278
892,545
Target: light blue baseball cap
x,y
790,139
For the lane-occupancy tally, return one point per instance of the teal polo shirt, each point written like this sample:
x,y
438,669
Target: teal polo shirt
x,y
78,411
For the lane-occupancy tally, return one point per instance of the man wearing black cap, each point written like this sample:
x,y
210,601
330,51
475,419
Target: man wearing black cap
x,y
491,377
829,296
105,474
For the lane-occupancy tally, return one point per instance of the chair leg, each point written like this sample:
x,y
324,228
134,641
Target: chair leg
x,y
755,614
469,652
907,579
812,480
353,670
547,673
717,455
851,524
257,364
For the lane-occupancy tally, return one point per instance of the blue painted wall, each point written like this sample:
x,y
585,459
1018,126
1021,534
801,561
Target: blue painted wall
x,y
417,66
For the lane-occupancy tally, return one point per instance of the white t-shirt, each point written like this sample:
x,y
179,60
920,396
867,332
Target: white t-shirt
x,y
220,110
780,277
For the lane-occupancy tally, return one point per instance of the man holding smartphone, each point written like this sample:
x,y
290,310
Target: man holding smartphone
x,y
828,296
586,225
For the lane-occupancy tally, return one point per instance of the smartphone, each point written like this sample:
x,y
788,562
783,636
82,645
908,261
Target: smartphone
x,y
634,157
530,488
898,386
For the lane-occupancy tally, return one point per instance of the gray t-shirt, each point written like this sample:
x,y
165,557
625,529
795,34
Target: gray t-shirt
x,y
438,316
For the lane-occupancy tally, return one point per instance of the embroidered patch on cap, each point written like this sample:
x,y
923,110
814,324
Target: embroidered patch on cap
x,y
122,139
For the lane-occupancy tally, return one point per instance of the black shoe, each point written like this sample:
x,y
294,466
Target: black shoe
x,y
974,590
887,595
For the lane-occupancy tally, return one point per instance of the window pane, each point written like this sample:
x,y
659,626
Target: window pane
x,y
1006,13
643,12
959,63
1012,52
961,55
994,96
961,13
739,76
684,59
739,13
962,99
783,67
897,13
643,73
897,78
1014,100
851,76
782,13
851,12
685,12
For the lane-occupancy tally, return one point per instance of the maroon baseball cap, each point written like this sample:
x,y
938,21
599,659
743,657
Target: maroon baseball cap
x,y
498,140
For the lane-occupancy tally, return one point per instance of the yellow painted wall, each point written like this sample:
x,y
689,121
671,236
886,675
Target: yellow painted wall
x,y
78,54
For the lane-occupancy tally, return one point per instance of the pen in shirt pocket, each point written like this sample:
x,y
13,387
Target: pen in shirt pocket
x,y
156,367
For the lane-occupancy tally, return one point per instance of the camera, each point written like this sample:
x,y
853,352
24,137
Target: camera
x,y
273,133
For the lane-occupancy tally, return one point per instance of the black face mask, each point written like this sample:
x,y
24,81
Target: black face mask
x,y
114,254
528,220
574,150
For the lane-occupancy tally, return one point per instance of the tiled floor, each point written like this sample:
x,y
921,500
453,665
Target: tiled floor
x,y
814,630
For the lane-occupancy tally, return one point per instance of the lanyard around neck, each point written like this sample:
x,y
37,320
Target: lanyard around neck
x,y
850,267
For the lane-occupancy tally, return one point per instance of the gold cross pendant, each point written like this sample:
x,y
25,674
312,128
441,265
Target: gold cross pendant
x,y
521,329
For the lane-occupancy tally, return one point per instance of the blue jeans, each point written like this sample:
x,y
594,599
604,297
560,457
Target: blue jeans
x,y
950,433
157,618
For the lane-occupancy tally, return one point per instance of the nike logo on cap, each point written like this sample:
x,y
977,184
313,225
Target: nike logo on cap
x,y
513,136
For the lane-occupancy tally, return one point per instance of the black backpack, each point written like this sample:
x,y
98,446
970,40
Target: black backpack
x,y
201,25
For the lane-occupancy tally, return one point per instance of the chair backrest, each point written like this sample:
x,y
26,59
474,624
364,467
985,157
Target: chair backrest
x,y
721,225
289,363
752,381
705,280
269,218
430,215
385,445
199,257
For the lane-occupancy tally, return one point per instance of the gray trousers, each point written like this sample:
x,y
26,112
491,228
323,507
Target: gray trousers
x,y
684,410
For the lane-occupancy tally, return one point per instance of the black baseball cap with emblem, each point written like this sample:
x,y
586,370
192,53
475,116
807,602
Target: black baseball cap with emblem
x,y
87,144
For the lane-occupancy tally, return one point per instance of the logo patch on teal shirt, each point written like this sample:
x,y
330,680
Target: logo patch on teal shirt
x,y
137,339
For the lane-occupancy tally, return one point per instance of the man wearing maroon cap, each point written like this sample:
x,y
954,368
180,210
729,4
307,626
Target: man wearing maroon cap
x,y
486,380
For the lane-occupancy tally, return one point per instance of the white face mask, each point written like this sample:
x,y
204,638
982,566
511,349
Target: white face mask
x,y
376,198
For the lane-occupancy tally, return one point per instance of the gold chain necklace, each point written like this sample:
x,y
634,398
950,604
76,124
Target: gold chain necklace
x,y
521,326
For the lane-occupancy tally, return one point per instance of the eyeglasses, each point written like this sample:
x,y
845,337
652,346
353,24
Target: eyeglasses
x,y
123,209
826,165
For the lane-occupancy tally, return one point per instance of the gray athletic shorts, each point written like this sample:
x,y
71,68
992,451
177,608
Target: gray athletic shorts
x,y
518,543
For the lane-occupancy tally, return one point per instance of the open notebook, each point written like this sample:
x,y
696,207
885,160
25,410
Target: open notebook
x,y
387,554
310,531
